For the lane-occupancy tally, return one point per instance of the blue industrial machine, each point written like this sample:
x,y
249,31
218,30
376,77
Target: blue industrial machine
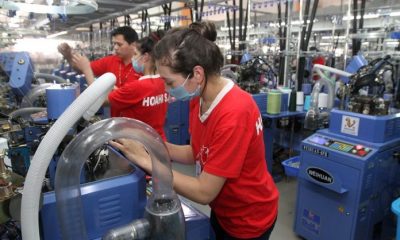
x,y
177,123
348,177
107,204
349,173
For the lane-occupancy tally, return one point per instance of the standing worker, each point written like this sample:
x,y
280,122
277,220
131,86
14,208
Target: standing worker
x,y
145,99
227,143
123,40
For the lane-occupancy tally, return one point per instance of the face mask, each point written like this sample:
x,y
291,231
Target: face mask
x,y
139,68
180,93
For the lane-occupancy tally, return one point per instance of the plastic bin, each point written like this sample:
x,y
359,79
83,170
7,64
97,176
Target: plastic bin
x,y
396,210
292,166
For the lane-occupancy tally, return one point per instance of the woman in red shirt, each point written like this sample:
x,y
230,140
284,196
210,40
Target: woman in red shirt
x,y
227,144
144,99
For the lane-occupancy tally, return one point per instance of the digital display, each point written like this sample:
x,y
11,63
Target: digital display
x,y
341,146
318,140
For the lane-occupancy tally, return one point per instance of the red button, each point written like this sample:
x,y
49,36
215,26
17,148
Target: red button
x,y
359,147
362,153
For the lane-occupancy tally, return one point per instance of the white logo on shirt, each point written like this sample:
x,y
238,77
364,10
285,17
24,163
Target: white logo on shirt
x,y
155,100
259,125
202,156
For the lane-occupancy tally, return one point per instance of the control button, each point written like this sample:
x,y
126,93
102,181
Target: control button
x,y
354,151
367,149
362,153
359,147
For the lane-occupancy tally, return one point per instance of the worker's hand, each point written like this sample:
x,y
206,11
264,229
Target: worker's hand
x,y
65,50
81,63
134,152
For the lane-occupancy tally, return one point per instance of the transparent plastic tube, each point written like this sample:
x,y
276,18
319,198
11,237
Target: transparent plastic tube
x,y
313,115
33,94
163,209
48,146
50,77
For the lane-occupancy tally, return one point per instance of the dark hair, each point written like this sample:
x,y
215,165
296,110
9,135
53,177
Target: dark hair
x,y
146,44
130,35
185,49
206,29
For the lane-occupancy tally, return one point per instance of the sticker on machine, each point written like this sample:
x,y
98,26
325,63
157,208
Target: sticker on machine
x,y
350,125
311,221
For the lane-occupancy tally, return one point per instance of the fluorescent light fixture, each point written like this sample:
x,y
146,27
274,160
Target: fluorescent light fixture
x,y
237,28
335,37
82,29
367,16
395,14
57,34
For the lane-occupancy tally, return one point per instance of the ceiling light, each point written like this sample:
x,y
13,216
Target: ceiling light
x,y
367,16
57,34
73,7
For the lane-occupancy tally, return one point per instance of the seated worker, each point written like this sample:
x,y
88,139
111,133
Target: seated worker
x,y
145,99
123,40
227,145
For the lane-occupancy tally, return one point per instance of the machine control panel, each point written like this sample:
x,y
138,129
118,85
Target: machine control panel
x,y
354,149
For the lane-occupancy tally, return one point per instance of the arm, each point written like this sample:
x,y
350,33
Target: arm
x,y
202,189
180,153
67,53
82,64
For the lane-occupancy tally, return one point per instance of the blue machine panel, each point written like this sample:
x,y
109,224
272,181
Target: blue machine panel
x,y
21,74
346,184
106,204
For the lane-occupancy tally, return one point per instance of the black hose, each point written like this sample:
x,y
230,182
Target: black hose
x,y
310,26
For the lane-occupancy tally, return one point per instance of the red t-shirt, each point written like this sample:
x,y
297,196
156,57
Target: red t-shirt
x,y
228,142
145,100
123,73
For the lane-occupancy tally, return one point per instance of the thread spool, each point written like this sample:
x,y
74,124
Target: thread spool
x,y
307,102
323,100
274,103
287,91
299,101
306,88
292,101
284,102
300,98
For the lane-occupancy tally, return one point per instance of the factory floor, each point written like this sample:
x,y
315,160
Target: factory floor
x,y
287,202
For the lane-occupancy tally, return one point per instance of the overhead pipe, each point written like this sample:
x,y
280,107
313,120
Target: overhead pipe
x,y
302,61
234,27
201,10
246,19
354,31
241,45
310,26
287,34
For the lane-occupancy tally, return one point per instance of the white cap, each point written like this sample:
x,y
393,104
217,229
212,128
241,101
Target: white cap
x,y
300,98
323,100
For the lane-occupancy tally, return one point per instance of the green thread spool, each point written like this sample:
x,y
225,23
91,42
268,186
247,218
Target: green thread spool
x,y
274,103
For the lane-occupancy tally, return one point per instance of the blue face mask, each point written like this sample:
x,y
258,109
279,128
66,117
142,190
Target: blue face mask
x,y
139,68
180,93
